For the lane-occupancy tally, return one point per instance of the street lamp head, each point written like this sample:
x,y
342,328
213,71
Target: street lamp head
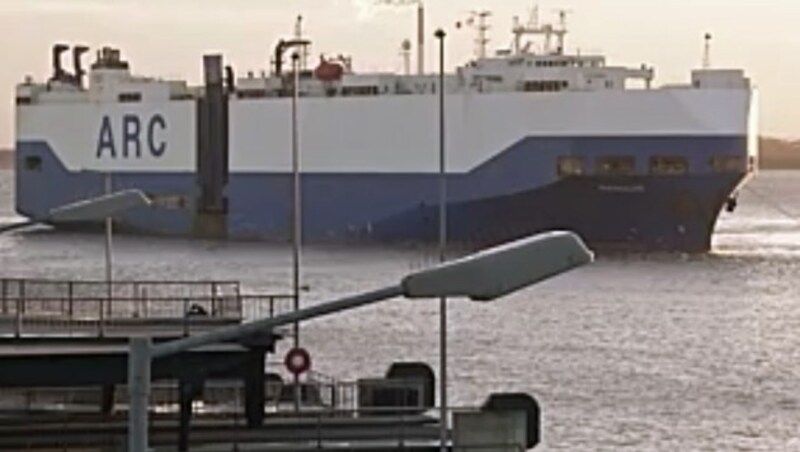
x,y
501,270
99,208
440,34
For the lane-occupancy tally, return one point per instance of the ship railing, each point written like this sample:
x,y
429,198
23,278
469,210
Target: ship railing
x,y
217,396
42,307
220,396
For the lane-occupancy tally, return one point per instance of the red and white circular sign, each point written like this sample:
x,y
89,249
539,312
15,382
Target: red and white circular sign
x,y
298,361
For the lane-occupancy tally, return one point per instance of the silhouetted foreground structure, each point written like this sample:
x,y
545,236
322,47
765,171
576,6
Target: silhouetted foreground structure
x,y
63,372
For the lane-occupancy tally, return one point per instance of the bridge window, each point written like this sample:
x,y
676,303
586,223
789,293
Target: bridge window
x,y
570,166
540,86
33,163
728,164
668,165
616,166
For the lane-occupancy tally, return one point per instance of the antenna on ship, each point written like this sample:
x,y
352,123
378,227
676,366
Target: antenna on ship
x,y
707,52
298,36
518,29
477,20
548,30
420,27
405,52
562,30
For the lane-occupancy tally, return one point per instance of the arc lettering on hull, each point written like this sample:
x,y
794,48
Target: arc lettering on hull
x,y
157,137
132,139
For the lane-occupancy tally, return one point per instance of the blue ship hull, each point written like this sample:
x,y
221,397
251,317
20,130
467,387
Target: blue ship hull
x,y
621,213
517,193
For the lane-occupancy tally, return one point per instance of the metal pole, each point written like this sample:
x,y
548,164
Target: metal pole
x,y
109,274
440,34
139,362
4,294
21,301
297,219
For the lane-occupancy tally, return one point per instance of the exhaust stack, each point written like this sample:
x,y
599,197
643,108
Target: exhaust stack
x,y
58,69
77,53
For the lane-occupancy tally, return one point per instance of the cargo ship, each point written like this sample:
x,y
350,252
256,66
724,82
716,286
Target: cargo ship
x,y
537,138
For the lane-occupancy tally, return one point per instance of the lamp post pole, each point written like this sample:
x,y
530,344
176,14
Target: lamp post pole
x,y
440,35
139,375
296,218
109,272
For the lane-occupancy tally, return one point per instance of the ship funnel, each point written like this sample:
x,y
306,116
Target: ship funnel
x,y
77,53
58,70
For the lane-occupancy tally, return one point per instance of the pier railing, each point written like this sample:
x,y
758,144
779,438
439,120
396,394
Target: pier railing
x,y
331,412
41,307
312,428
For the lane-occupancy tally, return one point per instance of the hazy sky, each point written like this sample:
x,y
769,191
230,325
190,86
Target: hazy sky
x,y
168,37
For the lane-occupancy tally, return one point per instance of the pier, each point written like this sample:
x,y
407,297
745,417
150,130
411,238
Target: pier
x,y
64,366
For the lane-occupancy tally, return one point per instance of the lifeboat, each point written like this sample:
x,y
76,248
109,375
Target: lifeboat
x,y
327,71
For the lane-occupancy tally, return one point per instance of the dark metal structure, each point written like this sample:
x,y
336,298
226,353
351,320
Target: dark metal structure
x,y
211,216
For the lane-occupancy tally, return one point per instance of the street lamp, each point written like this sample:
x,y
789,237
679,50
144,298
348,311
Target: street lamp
x,y
440,35
103,207
91,209
108,224
483,276
296,215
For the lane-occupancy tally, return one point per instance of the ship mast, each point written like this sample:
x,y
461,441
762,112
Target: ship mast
x,y
549,32
562,29
298,36
420,27
477,20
